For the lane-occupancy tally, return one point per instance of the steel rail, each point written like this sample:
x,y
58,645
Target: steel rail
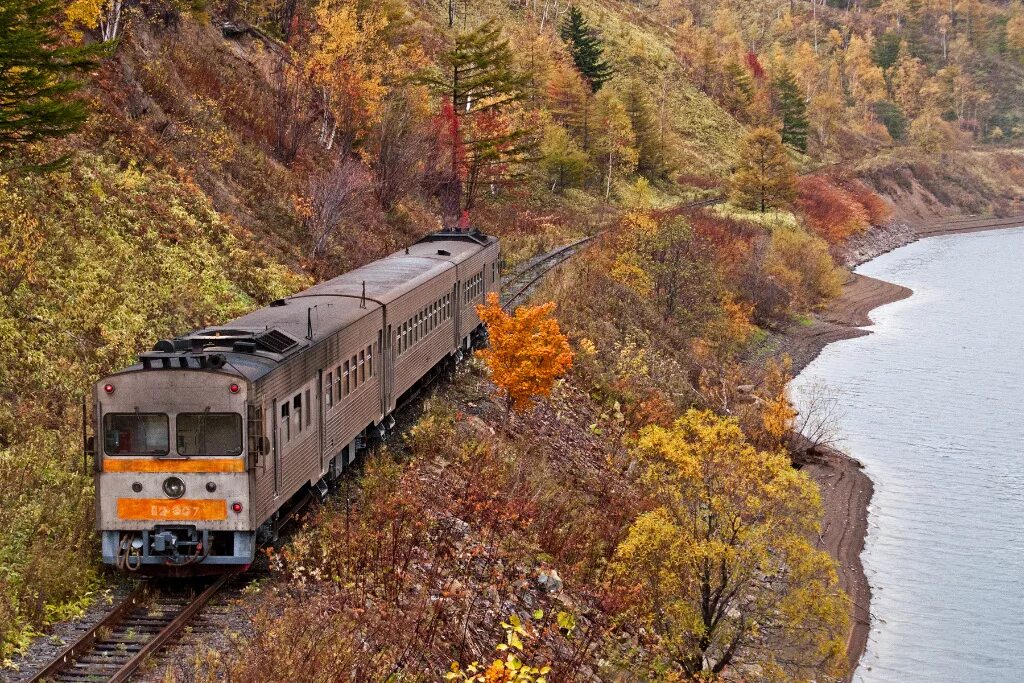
x,y
92,658
522,281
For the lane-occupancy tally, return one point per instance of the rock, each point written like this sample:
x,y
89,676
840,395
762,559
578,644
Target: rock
x,y
548,580
473,427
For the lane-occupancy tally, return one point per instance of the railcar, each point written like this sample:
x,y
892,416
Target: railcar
x,y
204,441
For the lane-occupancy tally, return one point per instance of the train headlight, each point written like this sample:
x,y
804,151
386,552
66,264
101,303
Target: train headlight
x,y
174,487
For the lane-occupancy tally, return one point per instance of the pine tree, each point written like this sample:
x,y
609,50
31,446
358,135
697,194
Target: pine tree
x,y
586,48
765,178
36,76
737,89
792,108
480,80
640,109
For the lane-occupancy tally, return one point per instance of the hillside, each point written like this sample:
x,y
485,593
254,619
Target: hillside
x,y
238,152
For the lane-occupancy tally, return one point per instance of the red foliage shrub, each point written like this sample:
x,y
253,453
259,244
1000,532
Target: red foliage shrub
x,y
878,210
831,211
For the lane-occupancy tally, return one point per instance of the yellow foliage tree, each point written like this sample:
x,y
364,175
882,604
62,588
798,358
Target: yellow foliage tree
x,y
722,568
527,353
357,55
765,177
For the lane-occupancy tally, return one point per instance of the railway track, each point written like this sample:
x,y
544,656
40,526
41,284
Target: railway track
x,y
518,285
114,649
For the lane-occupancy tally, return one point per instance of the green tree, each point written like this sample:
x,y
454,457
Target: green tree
x,y
614,143
562,159
481,80
737,89
36,76
722,565
640,108
764,178
792,108
586,48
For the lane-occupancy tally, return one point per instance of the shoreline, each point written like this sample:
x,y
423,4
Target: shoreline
x,y
846,490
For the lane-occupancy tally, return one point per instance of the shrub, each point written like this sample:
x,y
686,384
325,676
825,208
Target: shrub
x,y
802,265
832,212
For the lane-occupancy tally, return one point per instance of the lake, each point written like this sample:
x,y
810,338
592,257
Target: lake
x,y
933,405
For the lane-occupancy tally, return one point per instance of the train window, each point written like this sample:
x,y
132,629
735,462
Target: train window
x,y
329,393
348,387
286,423
362,366
309,410
297,413
135,434
209,433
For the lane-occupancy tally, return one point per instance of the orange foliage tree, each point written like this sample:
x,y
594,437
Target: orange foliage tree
x,y
527,353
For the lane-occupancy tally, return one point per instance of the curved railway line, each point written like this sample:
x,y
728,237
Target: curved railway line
x,y
518,285
113,649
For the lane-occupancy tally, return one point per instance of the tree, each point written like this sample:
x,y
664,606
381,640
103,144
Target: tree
x,y
640,109
293,113
1015,32
527,351
37,77
480,79
906,79
586,48
614,143
722,568
664,260
355,60
737,89
792,109
562,159
398,146
765,178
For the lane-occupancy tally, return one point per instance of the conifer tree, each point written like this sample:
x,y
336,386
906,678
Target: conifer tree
x,y
737,89
641,115
765,178
586,47
480,80
792,108
36,76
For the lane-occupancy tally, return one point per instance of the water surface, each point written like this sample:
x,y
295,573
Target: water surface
x,y
933,405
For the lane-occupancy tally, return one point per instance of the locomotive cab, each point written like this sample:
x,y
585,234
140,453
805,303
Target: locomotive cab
x,y
172,474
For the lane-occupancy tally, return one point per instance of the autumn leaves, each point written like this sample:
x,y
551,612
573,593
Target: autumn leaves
x,y
527,353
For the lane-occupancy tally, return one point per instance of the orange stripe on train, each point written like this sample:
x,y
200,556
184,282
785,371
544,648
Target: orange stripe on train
x,y
140,509
166,465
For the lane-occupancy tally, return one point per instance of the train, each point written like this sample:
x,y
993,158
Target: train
x,y
202,445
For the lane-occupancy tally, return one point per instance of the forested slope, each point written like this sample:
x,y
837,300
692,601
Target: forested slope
x,y
238,151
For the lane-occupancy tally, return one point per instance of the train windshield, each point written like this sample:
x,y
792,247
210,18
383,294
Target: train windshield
x,y
135,434
209,434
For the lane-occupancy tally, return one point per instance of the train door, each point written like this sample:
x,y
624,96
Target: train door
x,y
321,437
378,354
388,368
275,447
457,314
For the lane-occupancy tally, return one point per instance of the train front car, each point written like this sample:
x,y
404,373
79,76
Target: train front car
x,y
172,481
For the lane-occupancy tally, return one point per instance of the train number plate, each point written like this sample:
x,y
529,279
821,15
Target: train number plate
x,y
155,508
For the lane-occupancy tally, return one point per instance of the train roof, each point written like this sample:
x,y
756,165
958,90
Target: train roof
x,y
256,342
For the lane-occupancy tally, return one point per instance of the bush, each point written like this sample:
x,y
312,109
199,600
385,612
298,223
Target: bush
x,y
832,212
802,265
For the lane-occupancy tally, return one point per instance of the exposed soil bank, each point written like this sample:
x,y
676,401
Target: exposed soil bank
x,y
845,489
